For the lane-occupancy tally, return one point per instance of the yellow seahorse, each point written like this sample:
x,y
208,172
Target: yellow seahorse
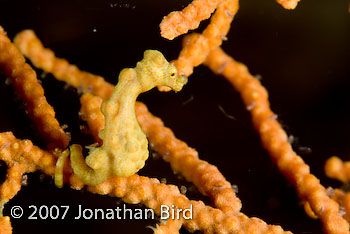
x,y
125,146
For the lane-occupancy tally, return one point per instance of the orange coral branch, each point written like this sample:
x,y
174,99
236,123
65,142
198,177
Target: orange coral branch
x,y
274,139
5,225
343,199
197,46
172,226
179,22
25,83
184,159
21,157
12,184
220,23
43,58
138,189
338,195
335,168
91,113
288,4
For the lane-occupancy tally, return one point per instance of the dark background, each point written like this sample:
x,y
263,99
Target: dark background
x,y
302,57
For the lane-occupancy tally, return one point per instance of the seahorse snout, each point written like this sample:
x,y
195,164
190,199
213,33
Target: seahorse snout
x,y
177,83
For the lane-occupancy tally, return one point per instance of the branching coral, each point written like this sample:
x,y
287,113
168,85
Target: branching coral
x,y
343,199
26,84
43,58
21,157
179,22
198,48
275,140
337,169
183,160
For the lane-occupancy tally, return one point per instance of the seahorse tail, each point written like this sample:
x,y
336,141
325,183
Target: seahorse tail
x,y
88,175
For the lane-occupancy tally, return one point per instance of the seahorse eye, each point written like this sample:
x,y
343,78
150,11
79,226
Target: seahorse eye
x,y
172,74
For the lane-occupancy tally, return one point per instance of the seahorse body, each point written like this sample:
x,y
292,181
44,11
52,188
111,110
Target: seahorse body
x,y
125,146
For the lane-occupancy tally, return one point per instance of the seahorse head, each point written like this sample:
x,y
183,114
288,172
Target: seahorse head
x,y
154,70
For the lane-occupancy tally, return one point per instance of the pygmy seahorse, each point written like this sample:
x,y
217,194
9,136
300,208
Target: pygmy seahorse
x,y
125,146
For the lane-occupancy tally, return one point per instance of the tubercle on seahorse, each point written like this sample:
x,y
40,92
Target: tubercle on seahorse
x,y
125,146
